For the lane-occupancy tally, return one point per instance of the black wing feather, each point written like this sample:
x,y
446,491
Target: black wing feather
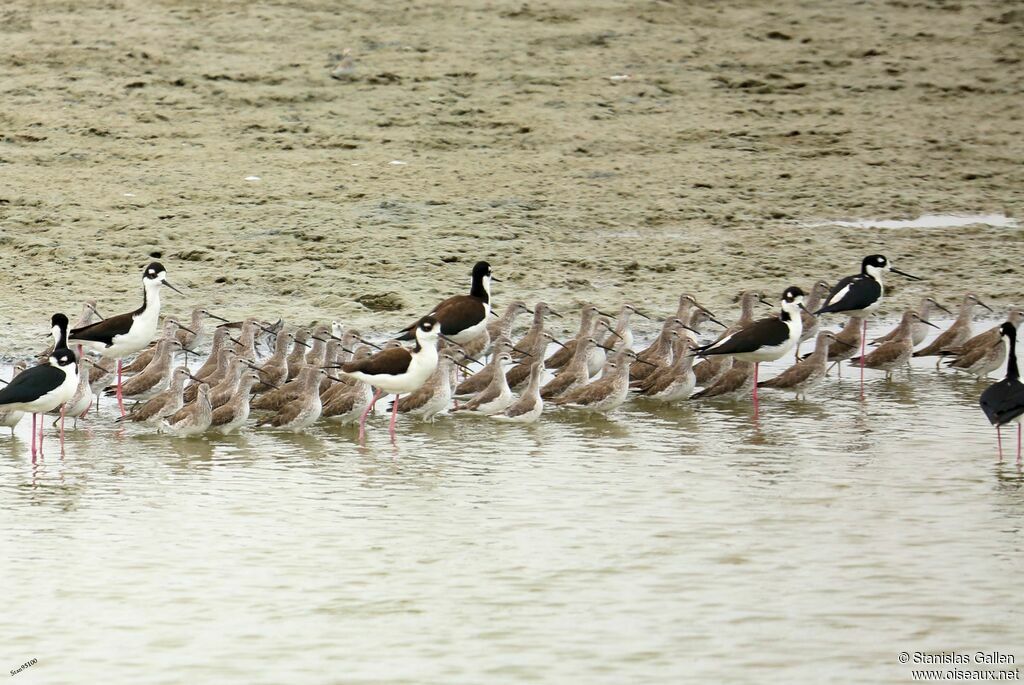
x,y
1003,402
454,314
104,331
392,361
864,291
764,332
31,384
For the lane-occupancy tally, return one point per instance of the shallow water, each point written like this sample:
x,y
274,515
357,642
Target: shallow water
x,y
927,221
661,544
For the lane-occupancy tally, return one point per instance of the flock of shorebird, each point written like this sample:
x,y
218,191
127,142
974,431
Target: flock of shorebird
x,y
335,374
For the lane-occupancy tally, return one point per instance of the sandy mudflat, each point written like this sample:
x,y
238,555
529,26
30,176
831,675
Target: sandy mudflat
x,y
589,150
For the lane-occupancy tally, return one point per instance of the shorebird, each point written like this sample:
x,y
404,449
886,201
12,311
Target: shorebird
x,y
125,334
78,405
606,393
297,357
274,371
99,378
848,341
860,295
810,322
809,371
527,342
1003,402
221,338
918,331
482,378
958,333
530,405
223,392
497,396
588,320
9,418
142,359
59,331
766,339
658,353
893,354
520,373
346,402
462,317
398,370
274,400
193,336
708,371
502,326
674,381
985,352
435,395
735,382
162,405
573,375
84,319
192,419
233,414
621,336
41,389
154,378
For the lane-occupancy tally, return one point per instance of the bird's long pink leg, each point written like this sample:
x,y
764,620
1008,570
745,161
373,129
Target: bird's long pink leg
x,y
1018,443
62,407
756,365
863,340
394,416
41,423
33,436
999,441
120,399
366,412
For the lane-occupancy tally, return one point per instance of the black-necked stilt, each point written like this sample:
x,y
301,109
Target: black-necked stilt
x,y
860,295
193,418
985,352
1003,402
304,409
958,333
766,339
233,414
895,353
462,317
59,332
125,334
709,371
41,389
398,370
529,406
919,331
807,372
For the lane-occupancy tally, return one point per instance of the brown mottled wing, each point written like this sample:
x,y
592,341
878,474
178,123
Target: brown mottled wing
x,y
340,404
392,361
181,414
285,416
476,382
223,414
562,356
520,407
517,375
149,409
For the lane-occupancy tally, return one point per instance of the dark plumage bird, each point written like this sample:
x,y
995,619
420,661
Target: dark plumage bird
x,y
463,317
1003,402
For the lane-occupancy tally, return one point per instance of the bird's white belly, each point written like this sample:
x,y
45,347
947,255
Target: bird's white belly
x,y
467,335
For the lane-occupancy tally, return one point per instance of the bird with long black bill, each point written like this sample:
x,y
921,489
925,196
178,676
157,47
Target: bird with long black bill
x,y
1003,402
765,339
125,334
43,388
462,317
397,370
860,295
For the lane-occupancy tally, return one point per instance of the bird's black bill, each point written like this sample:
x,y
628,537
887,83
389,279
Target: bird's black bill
x,y
942,308
367,342
644,361
94,310
765,301
333,378
927,323
491,312
553,313
306,345
495,279
186,328
522,352
168,284
906,275
218,318
984,305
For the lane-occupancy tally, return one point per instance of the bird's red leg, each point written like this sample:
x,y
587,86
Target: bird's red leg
x,y
366,412
999,441
33,436
394,416
120,399
62,428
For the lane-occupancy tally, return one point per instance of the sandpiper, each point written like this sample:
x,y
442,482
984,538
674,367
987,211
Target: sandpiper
x,y
274,371
154,378
573,375
125,334
985,352
502,326
194,336
658,353
482,378
40,389
606,393
619,337
520,373
221,340
736,382
233,414
9,418
462,317
162,405
918,331
895,353
192,419
398,370
588,320
958,333
142,359
807,372
212,379
435,395
297,357
346,402
766,339
673,381
527,342
303,410
1003,402
497,396
529,406
810,322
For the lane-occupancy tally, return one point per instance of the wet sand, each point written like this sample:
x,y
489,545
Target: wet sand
x,y
598,151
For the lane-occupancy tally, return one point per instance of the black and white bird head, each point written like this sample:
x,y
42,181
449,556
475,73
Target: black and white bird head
x,y
63,359
58,325
875,265
482,277
793,299
428,331
155,275
1007,331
